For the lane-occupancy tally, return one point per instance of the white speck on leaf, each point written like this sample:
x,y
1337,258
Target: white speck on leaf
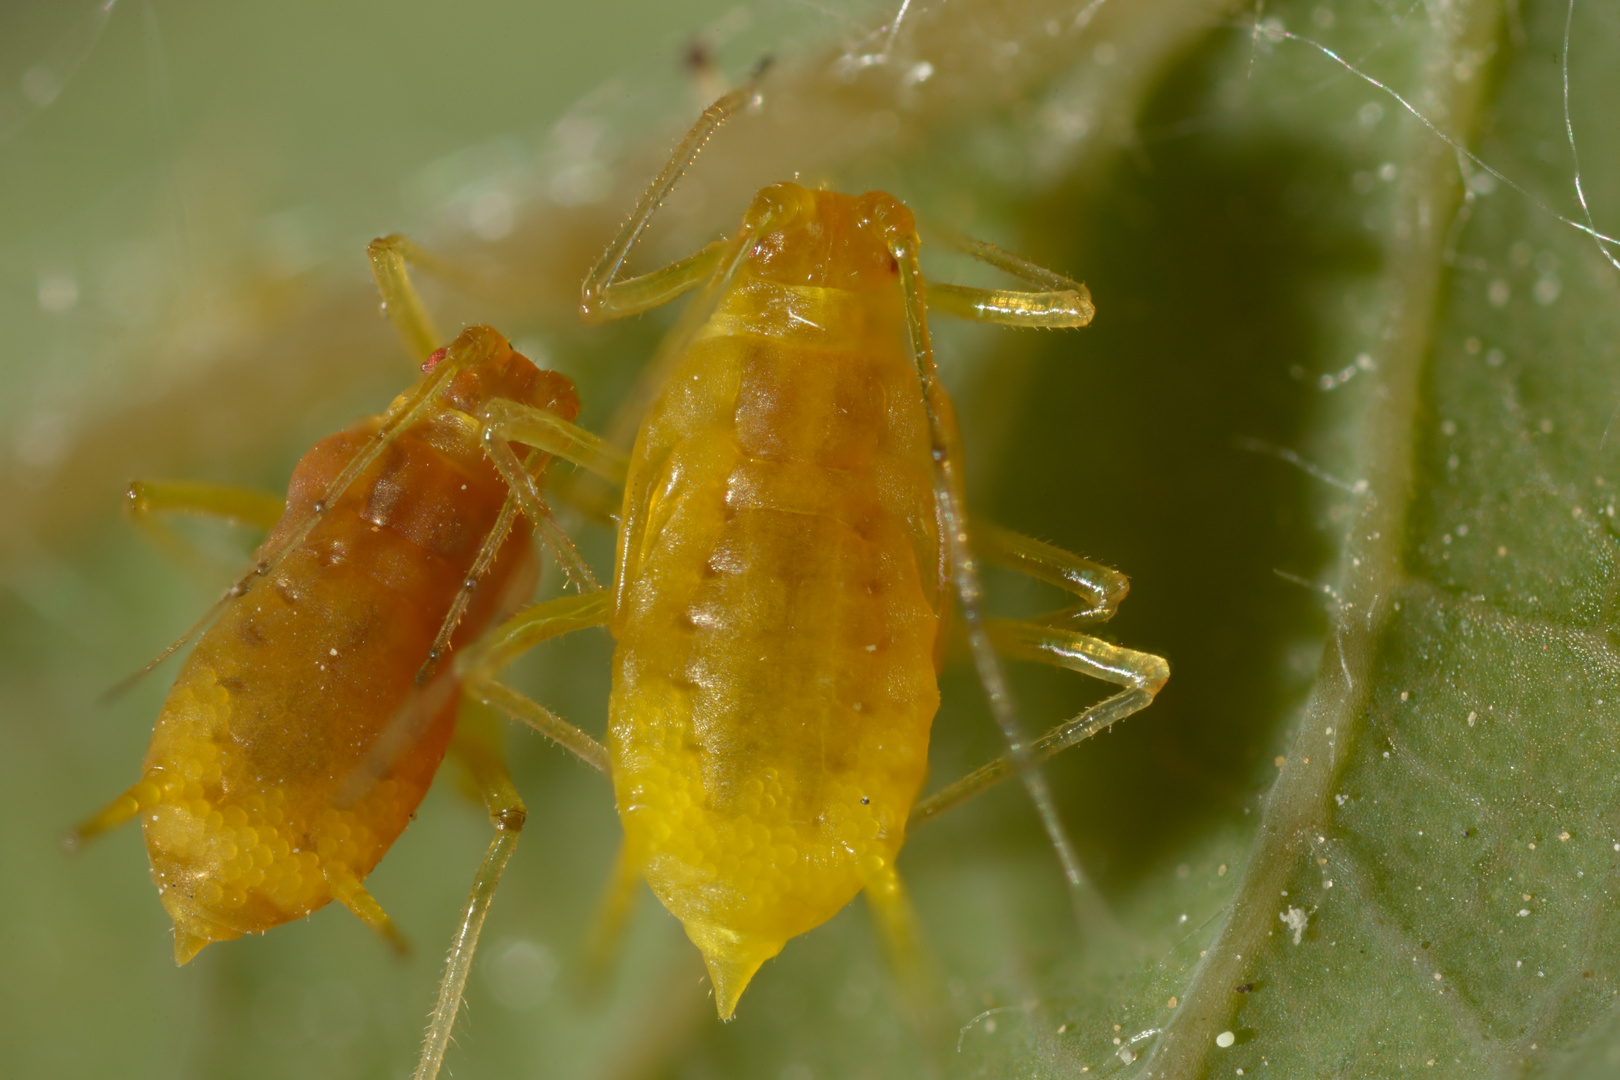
x,y
1296,920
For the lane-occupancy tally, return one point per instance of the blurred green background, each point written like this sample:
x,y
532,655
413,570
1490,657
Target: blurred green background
x,y
183,293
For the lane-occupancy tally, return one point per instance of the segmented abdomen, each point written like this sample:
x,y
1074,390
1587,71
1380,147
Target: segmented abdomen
x,y
774,679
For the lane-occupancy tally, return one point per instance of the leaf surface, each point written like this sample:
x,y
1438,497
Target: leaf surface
x,y
1348,417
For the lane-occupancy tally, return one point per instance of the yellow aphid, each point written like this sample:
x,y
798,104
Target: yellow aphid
x,y
791,538
779,591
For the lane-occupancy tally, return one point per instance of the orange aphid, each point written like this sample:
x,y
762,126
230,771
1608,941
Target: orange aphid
x,y
265,793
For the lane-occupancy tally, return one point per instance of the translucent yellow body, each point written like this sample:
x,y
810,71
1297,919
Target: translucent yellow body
x,y
778,593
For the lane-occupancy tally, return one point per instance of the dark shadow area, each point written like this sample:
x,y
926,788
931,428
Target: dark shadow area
x,y
1209,268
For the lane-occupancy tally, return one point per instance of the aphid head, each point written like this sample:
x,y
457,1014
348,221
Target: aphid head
x,y
504,374
826,239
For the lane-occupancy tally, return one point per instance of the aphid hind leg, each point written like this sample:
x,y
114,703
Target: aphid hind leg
x,y
477,666
480,663
612,913
475,744
964,572
1050,640
1056,302
913,966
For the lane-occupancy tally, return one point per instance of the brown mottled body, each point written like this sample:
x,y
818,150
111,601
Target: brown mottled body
x,y
244,800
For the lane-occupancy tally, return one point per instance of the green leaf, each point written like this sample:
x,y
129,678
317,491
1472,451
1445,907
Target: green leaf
x,y
1347,415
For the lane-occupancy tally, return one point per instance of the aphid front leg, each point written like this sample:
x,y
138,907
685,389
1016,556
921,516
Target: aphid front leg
x,y
603,297
401,302
1049,640
1058,301
608,299
505,422
148,501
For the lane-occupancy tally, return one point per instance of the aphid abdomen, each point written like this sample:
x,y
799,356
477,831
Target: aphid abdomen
x,y
277,709
774,679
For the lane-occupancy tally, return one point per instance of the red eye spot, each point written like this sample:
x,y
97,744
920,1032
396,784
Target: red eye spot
x,y
432,362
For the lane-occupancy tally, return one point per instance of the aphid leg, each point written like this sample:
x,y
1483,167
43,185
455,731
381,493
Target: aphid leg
x,y
494,541
475,669
506,422
951,507
148,502
617,299
612,913
1057,302
1050,640
475,345
759,221
249,506
480,663
401,302
477,666
555,539
603,297
147,499
506,812
410,319
1101,589
913,966
348,891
